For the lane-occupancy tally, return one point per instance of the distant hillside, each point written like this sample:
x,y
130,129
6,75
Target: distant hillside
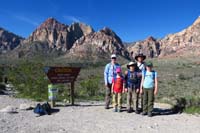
x,y
78,40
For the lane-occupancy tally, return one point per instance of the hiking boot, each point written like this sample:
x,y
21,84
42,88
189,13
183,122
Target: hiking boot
x,y
106,107
150,114
129,110
144,113
137,112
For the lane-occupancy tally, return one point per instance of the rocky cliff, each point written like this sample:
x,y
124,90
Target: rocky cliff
x,y
58,35
184,43
99,44
8,41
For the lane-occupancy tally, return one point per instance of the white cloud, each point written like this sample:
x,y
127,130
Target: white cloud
x,y
27,20
72,18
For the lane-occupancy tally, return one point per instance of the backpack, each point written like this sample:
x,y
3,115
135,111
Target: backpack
x,y
132,78
42,109
138,67
152,72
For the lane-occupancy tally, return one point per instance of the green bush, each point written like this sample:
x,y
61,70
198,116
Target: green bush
x,y
189,104
91,88
192,110
29,80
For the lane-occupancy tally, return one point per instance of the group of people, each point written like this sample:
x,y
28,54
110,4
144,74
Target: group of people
x,y
138,81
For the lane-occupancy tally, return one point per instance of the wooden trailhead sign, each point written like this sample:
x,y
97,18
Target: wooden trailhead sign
x,y
58,75
61,75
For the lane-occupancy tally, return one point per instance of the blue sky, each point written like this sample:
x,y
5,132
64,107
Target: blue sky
x,y
132,20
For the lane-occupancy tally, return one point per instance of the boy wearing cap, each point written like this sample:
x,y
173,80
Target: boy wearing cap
x,y
117,89
132,83
109,74
149,86
141,67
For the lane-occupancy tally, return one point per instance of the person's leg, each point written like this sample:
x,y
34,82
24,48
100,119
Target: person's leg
x,y
119,102
145,100
108,96
141,101
150,101
129,99
114,102
135,101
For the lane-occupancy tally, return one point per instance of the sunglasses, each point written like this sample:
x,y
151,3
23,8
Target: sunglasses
x,y
113,58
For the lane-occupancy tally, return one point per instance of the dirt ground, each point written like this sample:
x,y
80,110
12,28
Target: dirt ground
x,y
91,117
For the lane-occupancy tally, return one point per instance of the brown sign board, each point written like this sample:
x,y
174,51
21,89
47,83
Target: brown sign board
x,y
58,75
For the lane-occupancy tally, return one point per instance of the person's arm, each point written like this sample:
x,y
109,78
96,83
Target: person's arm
x,y
112,88
156,86
106,76
138,83
124,85
126,81
141,85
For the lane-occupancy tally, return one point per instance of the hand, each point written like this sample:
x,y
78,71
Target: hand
x,y
106,85
125,90
155,92
139,74
141,91
137,90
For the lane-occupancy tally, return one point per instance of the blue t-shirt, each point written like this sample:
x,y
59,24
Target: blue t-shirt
x,y
149,79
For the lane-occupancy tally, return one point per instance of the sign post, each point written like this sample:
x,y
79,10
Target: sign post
x,y
72,93
59,75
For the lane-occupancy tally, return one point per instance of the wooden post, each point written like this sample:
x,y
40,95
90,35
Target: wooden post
x,y
53,103
72,93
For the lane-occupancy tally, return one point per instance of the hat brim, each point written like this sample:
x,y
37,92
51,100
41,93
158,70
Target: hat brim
x,y
128,66
136,57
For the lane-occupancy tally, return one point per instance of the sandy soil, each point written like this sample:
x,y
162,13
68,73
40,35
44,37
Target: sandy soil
x,y
92,117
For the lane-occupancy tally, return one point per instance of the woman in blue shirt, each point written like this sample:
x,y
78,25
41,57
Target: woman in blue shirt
x,y
149,86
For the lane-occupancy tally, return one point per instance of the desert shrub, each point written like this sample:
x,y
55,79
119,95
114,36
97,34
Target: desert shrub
x,y
90,88
182,77
189,104
29,80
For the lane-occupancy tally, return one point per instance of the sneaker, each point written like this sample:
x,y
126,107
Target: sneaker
x,y
119,110
150,114
115,109
144,113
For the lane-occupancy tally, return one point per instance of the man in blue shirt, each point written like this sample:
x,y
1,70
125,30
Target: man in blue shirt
x,y
109,74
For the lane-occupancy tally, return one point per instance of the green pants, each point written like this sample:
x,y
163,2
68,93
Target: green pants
x,y
117,100
132,98
148,100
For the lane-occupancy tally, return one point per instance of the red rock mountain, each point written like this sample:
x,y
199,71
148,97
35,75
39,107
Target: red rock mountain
x,y
150,47
99,44
80,40
58,35
184,43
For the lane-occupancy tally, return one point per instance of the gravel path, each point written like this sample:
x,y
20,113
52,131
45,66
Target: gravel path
x,y
91,118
